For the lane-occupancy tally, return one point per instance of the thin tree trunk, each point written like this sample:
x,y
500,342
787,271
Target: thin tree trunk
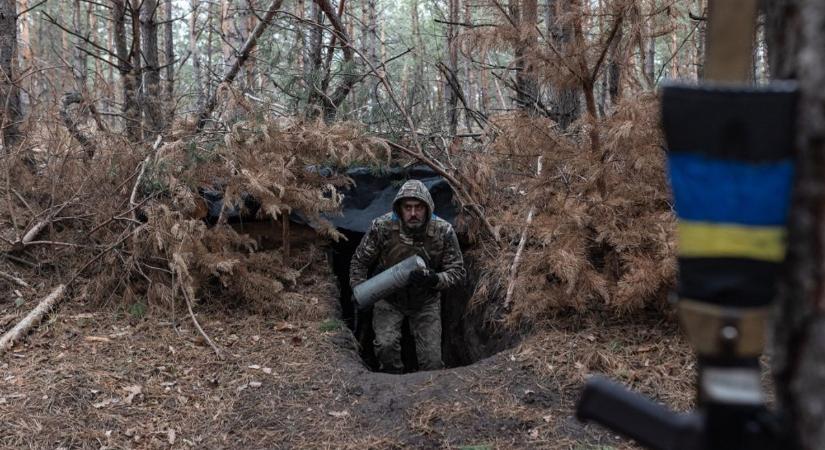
x,y
566,102
210,26
169,53
614,69
312,75
128,78
416,87
195,52
526,83
450,96
650,60
699,39
78,56
249,67
91,19
9,92
226,32
469,73
26,56
153,117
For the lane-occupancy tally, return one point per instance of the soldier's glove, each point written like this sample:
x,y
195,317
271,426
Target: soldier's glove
x,y
423,278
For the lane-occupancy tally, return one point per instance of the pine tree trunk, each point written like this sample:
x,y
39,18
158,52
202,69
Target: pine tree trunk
x,y
9,92
91,19
128,79
78,56
226,33
614,69
794,29
153,116
565,102
372,22
450,96
26,56
249,67
195,53
699,39
169,57
416,87
526,84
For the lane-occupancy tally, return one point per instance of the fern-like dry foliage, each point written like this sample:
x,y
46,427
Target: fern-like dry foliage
x,y
142,228
590,247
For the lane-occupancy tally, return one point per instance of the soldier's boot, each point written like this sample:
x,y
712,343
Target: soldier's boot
x,y
426,329
386,321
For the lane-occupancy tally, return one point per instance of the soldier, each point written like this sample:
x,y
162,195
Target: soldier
x,y
410,229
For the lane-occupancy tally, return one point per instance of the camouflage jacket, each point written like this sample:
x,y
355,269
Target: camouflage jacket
x,y
387,243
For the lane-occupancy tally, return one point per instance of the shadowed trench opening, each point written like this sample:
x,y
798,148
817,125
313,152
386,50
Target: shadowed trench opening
x,y
465,338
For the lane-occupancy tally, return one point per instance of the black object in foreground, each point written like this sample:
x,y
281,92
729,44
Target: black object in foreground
x,y
637,417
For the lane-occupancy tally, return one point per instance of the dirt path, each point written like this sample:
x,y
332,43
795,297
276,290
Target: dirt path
x,y
99,379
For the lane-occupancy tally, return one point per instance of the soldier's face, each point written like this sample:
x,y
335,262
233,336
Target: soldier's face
x,y
412,212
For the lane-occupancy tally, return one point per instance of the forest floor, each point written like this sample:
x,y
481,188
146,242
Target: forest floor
x,y
102,377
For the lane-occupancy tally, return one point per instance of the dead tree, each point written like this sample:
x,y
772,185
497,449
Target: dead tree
x,y
9,92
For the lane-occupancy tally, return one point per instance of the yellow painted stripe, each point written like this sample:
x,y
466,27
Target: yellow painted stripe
x,y
715,240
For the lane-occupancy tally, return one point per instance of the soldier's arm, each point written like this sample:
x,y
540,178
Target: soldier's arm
x,y
365,256
452,263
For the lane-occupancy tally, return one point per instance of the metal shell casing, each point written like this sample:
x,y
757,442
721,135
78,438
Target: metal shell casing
x,y
386,282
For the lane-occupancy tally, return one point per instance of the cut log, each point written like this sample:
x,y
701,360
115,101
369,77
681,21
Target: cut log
x,y
32,319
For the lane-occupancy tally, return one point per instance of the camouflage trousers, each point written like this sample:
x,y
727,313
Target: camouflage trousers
x,y
425,326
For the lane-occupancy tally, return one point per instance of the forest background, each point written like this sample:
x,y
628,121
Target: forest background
x,y
543,116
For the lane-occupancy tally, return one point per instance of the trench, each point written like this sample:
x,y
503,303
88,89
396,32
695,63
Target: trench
x,y
466,336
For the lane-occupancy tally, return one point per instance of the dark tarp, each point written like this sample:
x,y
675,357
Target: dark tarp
x,y
374,191
371,197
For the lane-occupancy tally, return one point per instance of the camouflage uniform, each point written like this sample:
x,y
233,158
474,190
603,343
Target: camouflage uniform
x,y
387,243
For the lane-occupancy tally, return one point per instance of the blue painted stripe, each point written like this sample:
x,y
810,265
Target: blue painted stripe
x,y
714,190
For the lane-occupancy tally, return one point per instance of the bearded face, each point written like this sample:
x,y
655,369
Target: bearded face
x,y
413,213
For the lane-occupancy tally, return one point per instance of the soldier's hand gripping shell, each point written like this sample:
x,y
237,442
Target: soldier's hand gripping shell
x,y
423,277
